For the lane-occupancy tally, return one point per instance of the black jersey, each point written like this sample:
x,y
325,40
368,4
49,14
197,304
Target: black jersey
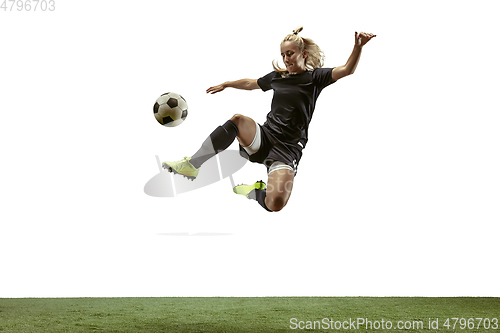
x,y
294,101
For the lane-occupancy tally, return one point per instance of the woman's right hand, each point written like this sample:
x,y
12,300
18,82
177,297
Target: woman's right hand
x,y
216,89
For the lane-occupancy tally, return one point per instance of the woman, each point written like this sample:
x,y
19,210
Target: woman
x,y
279,142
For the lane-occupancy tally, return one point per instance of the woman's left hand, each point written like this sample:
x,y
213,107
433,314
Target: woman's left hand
x,y
363,37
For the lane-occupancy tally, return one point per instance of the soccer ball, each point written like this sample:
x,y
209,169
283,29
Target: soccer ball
x,y
170,109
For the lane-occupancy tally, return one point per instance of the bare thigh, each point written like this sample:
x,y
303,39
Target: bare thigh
x,y
246,127
279,189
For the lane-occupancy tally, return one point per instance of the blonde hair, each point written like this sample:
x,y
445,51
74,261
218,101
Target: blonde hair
x,y
314,57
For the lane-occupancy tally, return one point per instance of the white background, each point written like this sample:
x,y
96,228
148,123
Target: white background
x,y
397,193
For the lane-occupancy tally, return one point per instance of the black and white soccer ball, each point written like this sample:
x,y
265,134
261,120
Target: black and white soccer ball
x,y
170,109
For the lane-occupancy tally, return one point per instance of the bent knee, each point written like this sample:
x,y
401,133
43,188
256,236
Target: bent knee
x,y
275,203
237,118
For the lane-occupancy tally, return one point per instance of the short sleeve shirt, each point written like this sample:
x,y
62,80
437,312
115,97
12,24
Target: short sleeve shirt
x,y
294,101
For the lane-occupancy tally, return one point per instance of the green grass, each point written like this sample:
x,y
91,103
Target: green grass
x,y
233,314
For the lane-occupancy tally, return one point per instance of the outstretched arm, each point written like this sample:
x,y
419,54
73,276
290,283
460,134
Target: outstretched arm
x,y
352,62
246,84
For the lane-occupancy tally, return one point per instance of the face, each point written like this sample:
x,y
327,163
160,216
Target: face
x,y
295,61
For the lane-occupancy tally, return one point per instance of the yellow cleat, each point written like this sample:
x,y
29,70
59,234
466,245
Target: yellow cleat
x,y
182,167
246,189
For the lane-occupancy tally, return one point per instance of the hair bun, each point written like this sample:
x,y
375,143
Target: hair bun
x,y
297,30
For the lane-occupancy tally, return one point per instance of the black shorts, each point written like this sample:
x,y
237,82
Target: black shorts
x,y
273,150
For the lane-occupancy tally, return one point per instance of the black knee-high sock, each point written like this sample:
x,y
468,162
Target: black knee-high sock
x,y
219,140
260,196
